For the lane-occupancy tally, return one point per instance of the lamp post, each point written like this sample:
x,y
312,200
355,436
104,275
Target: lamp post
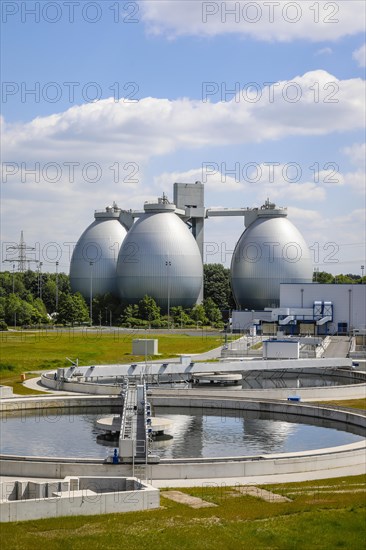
x,y
40,279
145,357
168,264
91,293
13,278
349,310
56,286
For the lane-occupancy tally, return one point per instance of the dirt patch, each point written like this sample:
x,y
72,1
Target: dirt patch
x,y
188,500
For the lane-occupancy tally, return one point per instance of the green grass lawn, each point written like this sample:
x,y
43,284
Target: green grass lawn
x,y
26,351
349,403
322,515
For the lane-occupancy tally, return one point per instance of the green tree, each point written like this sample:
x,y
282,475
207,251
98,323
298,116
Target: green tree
x,y
216,284
199,315
6,284
13,310
180,317
345,279
41,310
21,312
130,314
107,308
49,294
213,313
31,282
148,309
2,307
72,309
63,282
323,277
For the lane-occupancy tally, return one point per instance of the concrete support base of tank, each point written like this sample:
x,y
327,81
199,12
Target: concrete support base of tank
x,y
74,496
329,462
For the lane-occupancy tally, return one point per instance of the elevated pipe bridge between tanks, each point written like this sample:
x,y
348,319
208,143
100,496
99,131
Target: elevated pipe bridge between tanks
x,y
187,367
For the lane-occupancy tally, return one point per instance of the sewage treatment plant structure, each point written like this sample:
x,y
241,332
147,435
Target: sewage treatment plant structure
x,y
158,251
163,250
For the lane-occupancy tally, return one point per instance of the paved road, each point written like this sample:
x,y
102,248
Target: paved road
x,y
338,347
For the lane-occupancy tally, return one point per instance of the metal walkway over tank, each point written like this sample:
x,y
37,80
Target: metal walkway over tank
x,y
134,433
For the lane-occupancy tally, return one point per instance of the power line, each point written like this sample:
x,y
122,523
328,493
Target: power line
x,y
22,258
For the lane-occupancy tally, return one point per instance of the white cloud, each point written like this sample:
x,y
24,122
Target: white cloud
x,y
107,132
324,51
272,21
357,154
285,182
298,192
360,56
356,179
330,178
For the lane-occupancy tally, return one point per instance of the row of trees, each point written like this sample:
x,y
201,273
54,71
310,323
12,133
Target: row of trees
x,y
148,314
323,277
32,298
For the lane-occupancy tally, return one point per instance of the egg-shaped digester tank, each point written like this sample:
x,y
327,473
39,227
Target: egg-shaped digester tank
x,y
160,258
271,251
94,259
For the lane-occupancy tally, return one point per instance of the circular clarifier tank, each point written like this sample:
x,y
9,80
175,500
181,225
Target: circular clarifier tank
x,y
271,251
199,433
94,260
160,258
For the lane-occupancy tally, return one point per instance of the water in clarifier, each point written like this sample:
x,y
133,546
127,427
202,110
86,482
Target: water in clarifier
x,y
195,433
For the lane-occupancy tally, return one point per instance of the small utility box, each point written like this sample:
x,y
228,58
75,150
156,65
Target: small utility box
x,y
145,346
281,349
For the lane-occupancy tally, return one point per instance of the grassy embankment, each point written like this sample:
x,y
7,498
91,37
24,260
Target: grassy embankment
x,y
23,351
322,515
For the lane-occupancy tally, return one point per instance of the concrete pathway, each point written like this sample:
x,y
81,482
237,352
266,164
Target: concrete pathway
x,y
254,480
229,481
268,496
35,384
338,347
188,500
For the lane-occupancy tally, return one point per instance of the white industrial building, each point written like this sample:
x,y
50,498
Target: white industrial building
x,y
309,308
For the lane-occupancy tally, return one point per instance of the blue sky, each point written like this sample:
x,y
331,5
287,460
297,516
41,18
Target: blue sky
x,y
174,130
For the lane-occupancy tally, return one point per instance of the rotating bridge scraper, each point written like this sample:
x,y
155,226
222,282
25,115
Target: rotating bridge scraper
x,y
133,442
